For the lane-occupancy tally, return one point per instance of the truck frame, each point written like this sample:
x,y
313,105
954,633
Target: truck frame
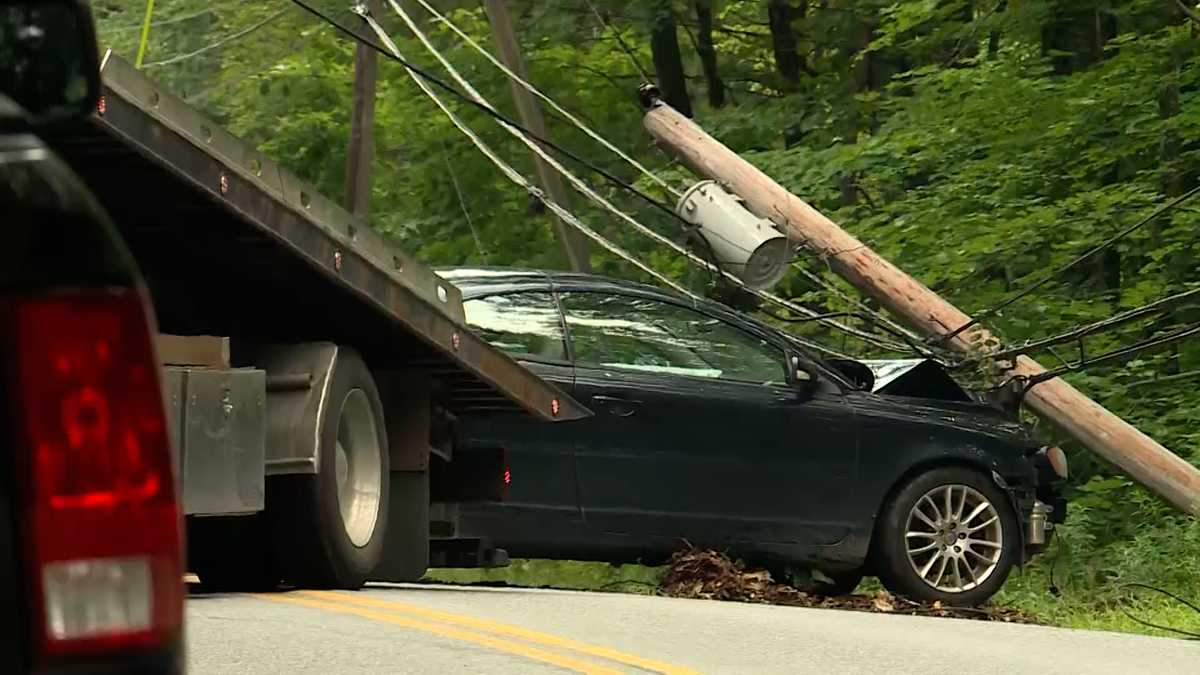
x,y
311,366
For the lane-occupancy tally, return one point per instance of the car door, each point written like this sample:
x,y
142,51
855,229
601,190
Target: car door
x,y
540,460
698,433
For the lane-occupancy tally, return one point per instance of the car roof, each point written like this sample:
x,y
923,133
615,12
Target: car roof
x,y
477,281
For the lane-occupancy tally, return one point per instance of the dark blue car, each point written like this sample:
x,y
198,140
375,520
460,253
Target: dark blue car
x,y
719,430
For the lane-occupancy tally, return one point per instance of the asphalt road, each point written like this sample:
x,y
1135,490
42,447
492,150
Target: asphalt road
x,y
443,629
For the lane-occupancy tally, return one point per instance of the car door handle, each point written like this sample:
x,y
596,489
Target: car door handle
x,y
621,407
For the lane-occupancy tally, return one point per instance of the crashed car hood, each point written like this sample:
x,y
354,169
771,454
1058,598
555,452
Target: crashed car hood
x,y
921,389
922,378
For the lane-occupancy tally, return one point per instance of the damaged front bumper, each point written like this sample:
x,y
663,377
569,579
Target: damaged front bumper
x,y
1037,498
1041,505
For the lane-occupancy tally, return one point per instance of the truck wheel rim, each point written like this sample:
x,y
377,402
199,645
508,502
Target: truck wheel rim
x,y
358,470
954,538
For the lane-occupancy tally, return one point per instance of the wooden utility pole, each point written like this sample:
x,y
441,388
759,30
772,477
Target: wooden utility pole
x,y
574,246
361,151
1144,460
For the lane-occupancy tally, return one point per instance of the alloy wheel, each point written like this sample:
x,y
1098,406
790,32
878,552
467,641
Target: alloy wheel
x,y
954,538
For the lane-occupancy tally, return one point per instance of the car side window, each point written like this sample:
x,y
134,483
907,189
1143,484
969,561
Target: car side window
x,y
621,331
522,324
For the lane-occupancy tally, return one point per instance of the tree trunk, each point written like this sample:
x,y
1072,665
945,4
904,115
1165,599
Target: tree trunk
x,y
993,48
574,244
780,14
361,152
668,63
708,53
1078,36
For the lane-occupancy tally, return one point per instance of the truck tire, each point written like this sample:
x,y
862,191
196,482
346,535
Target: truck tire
x,y
949,535
330,527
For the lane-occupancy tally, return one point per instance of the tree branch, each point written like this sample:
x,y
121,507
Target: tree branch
x,y
1190,13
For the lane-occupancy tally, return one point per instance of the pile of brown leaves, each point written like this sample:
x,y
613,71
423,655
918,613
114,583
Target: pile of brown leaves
x,y
710,575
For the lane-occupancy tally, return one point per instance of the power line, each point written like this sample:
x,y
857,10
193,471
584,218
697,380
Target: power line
x,y
892,327
591,194
425,77
1088,329
1046,279
167,22
1117,355
462,203
491,112
549,101
620,41
1190,635
515,176
218,43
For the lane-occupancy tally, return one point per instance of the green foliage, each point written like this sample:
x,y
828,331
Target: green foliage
x,y
977,144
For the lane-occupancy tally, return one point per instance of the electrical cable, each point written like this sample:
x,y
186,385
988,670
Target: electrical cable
x,y
1046,279
582,186
548,100
1086,329
424,76
515,176
624,47
1178,631
887,324
462,203
1114,355
167,22
490,112
214,45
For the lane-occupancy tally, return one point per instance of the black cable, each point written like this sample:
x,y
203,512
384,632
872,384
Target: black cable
x,y
1054,588
1117,354
624,47
450,89
1046,279
1188,634
1084,330
442,84
1028,383
720,278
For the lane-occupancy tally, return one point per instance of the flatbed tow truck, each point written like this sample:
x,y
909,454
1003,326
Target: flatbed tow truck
x,y
313,370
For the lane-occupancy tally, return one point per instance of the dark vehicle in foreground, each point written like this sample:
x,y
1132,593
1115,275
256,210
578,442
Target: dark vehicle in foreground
x,y
722,431
90,526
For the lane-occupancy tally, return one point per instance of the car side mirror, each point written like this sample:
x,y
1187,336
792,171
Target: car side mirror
x,y
49,59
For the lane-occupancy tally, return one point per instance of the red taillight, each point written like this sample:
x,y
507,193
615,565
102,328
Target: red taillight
x,y
101,509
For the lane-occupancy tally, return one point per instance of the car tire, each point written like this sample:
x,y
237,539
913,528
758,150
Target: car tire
x,y
331,526
949,535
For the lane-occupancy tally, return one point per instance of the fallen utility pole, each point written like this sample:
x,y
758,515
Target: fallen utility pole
x,y
1056,401
532,118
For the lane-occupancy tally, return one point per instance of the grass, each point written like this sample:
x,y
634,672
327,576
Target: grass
x,y
1027,590
566,574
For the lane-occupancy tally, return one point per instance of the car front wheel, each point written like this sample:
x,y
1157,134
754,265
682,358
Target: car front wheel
x,y
948,535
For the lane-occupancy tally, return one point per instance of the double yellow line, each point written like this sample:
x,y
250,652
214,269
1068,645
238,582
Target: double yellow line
x,y
563,652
